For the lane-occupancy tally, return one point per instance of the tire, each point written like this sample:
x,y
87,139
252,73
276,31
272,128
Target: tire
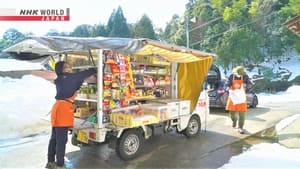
x,y
193,128
254,102
129,144
74,141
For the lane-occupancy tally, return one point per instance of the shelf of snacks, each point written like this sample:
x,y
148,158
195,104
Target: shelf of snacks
x,y
125,83
85,109
117,82
151,70
87,92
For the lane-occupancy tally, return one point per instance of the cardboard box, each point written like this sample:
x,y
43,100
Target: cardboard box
x,y
82,112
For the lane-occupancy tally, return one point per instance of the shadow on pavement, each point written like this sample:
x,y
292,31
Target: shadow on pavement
x,y
170,150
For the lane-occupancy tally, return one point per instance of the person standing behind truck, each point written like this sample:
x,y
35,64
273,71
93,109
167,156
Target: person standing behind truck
x,y
238,82
62,113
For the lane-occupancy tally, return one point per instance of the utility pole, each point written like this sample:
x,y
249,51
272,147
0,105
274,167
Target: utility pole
x,y
187,31
187,24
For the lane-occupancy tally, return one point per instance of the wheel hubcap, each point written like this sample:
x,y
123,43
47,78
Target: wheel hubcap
x,y
131,144
193,126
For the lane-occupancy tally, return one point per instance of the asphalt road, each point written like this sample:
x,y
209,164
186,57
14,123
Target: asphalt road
x,y
208,150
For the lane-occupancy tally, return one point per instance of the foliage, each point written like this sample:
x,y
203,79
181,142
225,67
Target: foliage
x,y
232,48
9,37
249,31
117,25
296,81
53,32
240,32
3,44
144,28
234,13
174,32
84,30
100,30
298,45
12,35
292,8
265,85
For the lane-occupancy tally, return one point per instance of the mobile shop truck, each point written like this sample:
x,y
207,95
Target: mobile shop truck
x,y
143,88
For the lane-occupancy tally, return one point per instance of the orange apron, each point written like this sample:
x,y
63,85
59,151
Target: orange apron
x,y
62,113
241,107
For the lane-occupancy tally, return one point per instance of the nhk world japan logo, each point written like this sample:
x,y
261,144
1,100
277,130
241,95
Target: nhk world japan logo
x,y
13,14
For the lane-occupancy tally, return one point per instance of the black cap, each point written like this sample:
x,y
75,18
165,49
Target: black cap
x,y
59,67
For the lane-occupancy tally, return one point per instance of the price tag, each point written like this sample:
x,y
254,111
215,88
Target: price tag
x,y
82,137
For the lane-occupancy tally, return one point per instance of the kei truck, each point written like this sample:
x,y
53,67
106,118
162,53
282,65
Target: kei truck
x,y
142,88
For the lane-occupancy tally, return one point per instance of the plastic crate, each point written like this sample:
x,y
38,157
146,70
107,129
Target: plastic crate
x,y
130,121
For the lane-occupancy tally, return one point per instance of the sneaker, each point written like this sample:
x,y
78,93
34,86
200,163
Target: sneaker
x,y
241,131
51,165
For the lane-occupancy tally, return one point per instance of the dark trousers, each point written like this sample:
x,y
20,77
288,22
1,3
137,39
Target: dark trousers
x,y
57,145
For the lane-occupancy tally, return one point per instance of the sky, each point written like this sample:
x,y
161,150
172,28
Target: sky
x,y
20,92
92,12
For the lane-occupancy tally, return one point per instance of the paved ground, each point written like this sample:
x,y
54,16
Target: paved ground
x,y
213,148
290,135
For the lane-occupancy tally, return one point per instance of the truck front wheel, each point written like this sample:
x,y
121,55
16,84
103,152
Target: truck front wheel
x,y
193,127
129,144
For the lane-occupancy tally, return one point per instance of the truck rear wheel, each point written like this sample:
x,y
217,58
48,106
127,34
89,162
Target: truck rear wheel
x,y
74,140
193,127
129,144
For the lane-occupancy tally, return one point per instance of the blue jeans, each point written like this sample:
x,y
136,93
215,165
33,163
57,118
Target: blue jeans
x,y
57,145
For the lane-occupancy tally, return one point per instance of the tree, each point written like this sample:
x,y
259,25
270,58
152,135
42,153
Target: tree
x,y
174,32
144,28
9,37
52,32
83,31
235,13
3,44
12,35
111,21
292,8
117,25
239,47
100,30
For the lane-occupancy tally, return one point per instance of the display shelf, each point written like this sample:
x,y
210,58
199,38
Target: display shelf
x,y
147,86
87,100
83,67
151,64
124,108
151,73
142,98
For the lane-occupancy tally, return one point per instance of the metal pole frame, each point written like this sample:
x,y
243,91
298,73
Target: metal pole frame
x,y
100,89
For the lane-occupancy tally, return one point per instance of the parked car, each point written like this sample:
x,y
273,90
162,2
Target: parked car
x,y
218,90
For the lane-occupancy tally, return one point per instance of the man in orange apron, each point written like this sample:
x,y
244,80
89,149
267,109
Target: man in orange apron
x,y
62,113
236,103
